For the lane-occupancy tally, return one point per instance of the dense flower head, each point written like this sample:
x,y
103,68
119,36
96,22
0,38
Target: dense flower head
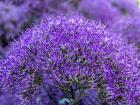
x,y
76,57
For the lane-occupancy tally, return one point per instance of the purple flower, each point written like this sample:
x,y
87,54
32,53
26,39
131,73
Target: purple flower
x,y
73,56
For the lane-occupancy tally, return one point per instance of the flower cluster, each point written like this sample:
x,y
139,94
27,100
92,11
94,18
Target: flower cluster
x,y
72,58
67,59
